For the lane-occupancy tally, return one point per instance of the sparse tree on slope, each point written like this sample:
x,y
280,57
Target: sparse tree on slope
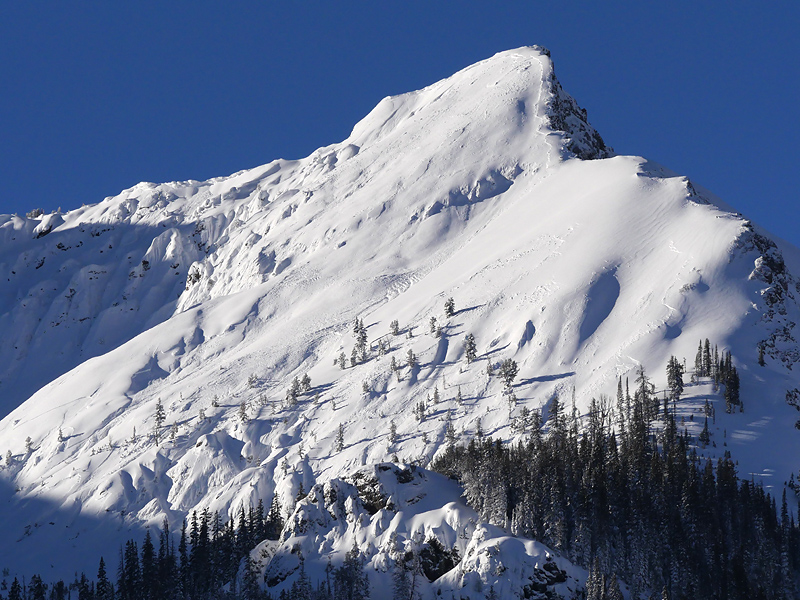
x,y
160,417
450,307
411,359
470,349
508,371
339,443
698,360
674,378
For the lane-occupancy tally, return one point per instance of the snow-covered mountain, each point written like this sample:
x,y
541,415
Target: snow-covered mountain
x,y
489,187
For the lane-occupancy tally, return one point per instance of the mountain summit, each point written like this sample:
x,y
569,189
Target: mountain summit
x,y
206,345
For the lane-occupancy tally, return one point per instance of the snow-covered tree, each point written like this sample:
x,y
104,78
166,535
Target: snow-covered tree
x,y
470,349
420,410
339,442
508,371
449,307
159,418
450,431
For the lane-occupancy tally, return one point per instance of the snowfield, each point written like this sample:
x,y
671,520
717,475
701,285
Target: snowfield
x,y
210,297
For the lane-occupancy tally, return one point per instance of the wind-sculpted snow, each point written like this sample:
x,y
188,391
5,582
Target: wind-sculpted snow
x,y
600,301
211,297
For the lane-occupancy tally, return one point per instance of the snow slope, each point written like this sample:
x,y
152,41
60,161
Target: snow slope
x,y
210,296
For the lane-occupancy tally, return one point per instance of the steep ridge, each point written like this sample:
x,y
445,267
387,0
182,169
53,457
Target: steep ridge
x,y
210,297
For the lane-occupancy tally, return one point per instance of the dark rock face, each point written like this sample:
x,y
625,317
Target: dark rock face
x,y
581,138
780,306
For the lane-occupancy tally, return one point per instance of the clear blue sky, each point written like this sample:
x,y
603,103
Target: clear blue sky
x,y
96,96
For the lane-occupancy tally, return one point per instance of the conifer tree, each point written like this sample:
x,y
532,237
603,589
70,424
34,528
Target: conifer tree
x,y
621,409
401,586
274,523
251,590
432,324
360,334
450,431
103,590
150,578
508,372
470,350
707,358
674,378
37,589
705,437
350,582
15,591
339,443
449,307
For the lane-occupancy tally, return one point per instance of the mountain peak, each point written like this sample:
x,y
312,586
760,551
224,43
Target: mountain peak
x,y
509,105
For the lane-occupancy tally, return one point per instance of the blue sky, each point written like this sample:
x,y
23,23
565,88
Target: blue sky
x,y
96,96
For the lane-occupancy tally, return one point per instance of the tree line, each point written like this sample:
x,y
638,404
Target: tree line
x,y
629,499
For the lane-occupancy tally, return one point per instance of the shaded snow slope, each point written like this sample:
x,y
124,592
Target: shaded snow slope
x,y
212,296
